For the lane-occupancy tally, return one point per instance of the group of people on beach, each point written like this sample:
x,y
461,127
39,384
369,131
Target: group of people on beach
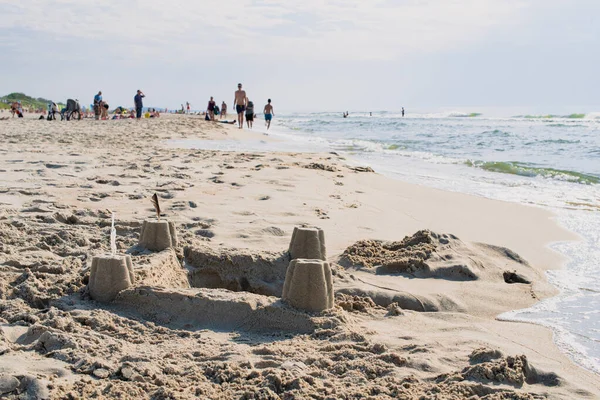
x,y
244,106
101,107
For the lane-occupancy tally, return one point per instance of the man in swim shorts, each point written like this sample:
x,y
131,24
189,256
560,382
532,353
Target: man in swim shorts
x,y
268,111
240,102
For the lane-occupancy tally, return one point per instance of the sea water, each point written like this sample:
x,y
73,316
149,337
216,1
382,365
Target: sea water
x,y
548,161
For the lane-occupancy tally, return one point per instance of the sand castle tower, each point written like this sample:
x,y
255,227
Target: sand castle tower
x,y
308,285
157,234
308,243
109,275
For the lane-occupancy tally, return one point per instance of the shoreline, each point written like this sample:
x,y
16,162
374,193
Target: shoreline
x,y
252,201
580,351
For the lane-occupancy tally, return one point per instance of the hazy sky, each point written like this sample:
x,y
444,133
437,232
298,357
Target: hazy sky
x,y
541,55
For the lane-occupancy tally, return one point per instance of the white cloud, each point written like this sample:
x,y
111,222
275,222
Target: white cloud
x,y
311,29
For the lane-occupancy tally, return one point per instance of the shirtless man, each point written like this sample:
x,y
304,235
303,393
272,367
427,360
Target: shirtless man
x,y
268,111
240,103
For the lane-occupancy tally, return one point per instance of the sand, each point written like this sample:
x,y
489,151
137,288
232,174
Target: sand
x,y
419,275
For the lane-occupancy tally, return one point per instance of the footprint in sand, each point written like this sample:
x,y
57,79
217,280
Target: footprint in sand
x,y
322,214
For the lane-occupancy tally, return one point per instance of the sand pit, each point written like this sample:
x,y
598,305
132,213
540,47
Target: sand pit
x,y
412,318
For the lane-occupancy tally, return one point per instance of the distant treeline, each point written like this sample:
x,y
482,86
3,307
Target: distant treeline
x,y
26,101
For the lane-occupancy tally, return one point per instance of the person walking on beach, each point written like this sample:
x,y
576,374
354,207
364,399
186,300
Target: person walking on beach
x,y
97,101
211,108
268,111
240,102
223,110
250,114
139,104
187,103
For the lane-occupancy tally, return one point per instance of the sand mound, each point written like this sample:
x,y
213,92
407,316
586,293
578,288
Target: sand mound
x,y
405,300
515,371
354,303
237,270
160,269
430,255
369,253
425,273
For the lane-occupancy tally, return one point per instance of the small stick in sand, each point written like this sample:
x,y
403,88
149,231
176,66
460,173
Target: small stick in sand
x,y
113,236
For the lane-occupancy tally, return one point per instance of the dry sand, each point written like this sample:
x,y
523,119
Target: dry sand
x,y
419,274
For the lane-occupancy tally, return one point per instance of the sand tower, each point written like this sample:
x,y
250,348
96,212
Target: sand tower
x,y
308,243
109,275
308,285
158,235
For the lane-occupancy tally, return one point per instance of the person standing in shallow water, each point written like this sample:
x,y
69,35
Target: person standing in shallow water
x,y
403,111
268,111
240,102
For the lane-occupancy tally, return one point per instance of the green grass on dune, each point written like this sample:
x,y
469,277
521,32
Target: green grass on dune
x,y
26,101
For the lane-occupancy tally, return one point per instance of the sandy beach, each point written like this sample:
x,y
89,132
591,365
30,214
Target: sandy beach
x,y
419,275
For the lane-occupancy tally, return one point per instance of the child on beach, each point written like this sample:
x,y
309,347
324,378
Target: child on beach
x,y
268,111
250,114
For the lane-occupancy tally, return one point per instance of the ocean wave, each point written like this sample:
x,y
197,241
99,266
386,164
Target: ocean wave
x,y
456,114
523,169
592,115
567,125
552,141
497,132
560,141
552,116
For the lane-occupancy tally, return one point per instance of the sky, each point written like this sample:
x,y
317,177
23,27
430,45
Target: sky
x,y
535,55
